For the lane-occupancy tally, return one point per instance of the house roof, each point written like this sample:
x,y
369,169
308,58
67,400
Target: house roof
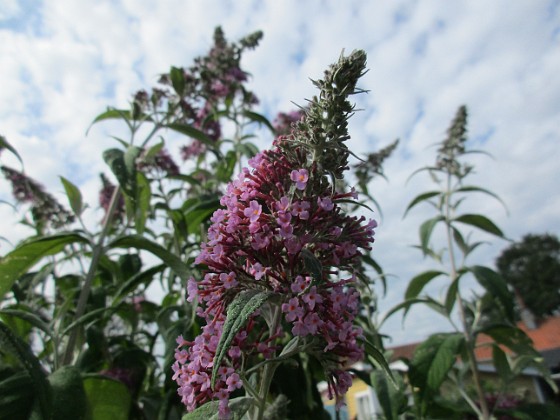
x,y
546,340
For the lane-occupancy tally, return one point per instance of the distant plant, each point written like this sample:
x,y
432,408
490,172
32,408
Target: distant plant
x,y
532,268
450,357
276,256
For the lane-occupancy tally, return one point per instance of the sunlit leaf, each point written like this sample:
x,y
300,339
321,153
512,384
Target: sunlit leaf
x,y
74,196
107,398
21,259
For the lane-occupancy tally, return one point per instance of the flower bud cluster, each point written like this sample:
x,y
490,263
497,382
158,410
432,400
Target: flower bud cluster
x,y
45,209
282,229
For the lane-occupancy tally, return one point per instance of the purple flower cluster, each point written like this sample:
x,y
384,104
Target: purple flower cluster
x,y
45,209
282,230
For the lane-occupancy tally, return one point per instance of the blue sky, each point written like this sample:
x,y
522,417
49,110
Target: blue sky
x,y
62,62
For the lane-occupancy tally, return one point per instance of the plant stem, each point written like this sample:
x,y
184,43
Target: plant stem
x,y
269,369
467,332
86,287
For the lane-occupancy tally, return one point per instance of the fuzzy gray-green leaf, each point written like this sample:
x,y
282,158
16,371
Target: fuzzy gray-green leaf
x,y
238,312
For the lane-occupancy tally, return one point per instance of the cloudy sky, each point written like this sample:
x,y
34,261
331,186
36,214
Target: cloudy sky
x,y
62,62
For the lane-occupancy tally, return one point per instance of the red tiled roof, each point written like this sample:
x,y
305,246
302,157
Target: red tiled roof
x,y
545,337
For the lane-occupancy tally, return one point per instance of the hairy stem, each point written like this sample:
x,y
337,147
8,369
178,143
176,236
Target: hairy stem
x,y
269,369
483,413
86,287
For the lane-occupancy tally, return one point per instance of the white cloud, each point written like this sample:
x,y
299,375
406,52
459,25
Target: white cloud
x,y
426,59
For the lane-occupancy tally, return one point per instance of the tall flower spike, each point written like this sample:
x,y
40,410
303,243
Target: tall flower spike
x,y
283,231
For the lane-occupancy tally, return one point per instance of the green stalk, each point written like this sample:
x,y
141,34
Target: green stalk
x,y
269,369
86,287
483,413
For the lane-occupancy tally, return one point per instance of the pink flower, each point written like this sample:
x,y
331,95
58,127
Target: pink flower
x,y
312,298
300,209
253,212
300,177
292,309
233,382
325,203
228,280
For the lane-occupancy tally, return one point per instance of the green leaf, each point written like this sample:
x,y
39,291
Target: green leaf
x,y
189,130
16,396
418,199
404,305
497,287
451,295
108,399
426,230
170,259
533,411
110,114
471,188
74,196
5,145
418,283
21,259
512,337
29,316
142,202
480,222
133,282
209,411
261,119
312,264
177,76
378,359
9,342
501,363
433,359
69,397
238,312
201,212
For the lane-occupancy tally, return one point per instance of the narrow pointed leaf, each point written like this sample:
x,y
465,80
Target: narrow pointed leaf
x,y
30,317
377,357
443,360
177,76
480,222
451,296
418,199
74,196
497,287
418,283
472,188
5,145
14,345
238,312
426,230
25,256
139,242
501,363
261,119
195,133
